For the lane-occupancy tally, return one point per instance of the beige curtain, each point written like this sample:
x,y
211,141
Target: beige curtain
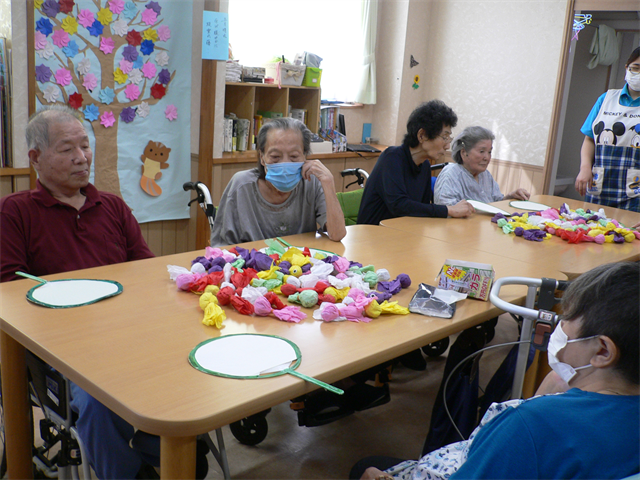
x,y
367,89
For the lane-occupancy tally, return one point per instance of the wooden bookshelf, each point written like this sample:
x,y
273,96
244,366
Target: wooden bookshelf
x,y
246,99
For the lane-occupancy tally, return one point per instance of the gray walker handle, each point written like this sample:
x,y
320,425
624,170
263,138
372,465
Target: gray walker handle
x,y
529,316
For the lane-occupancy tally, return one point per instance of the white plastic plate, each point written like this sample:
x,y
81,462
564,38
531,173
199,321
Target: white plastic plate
x,y
486,208
527,205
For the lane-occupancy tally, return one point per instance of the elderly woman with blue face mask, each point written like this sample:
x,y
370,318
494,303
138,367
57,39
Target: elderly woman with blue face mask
x,y
285,194
610,154
584,422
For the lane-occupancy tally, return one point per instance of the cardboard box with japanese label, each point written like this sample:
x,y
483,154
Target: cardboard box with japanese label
x,y
472,278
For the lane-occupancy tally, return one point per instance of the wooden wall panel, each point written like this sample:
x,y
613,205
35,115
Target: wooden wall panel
x,y
6,186
511,175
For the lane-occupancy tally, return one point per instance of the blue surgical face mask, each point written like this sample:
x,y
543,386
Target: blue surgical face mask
x,y
284,176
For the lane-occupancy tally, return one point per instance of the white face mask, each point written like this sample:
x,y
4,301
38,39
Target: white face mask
x,y
557,341
633,80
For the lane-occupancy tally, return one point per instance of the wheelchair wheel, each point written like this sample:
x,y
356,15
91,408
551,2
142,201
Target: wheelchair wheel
x,y
436,349
251,430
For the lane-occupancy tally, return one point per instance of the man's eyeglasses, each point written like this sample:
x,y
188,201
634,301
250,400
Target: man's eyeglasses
x,y
446,138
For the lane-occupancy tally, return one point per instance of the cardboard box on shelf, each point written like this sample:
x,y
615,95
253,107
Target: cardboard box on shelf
x,y
285,73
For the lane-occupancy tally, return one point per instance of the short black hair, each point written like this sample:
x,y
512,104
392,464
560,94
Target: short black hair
x,y
432,117
607,300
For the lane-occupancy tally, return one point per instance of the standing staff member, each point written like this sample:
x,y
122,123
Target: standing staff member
x,y
610,154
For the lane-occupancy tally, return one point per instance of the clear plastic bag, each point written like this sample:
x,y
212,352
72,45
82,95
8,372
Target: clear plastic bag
x,y
434,302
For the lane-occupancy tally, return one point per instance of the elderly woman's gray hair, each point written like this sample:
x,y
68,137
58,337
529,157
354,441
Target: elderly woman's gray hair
x,y
37,131
468,139
285,123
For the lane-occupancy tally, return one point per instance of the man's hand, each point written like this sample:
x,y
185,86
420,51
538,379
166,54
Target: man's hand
x,y
462,209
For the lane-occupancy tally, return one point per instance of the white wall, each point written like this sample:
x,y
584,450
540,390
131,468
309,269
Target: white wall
x,y
495,63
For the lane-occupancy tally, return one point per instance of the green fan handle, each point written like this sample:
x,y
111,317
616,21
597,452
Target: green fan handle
x,y
31,277
320,383
284,242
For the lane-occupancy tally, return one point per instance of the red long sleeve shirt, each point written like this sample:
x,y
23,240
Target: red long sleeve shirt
x,y
41,235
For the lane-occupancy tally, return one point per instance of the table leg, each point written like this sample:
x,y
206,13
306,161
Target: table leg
x,y
15,400
177,457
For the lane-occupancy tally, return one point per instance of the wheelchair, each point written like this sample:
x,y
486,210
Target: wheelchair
x,y
60,455
62,451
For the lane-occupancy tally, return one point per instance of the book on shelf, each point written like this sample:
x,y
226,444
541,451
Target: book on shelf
x,y
329,116
268,114
234,136
299,114
338,140
227,140
243,134
257,125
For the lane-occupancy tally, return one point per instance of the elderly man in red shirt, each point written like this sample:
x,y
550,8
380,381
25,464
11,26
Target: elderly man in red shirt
x,y
67,224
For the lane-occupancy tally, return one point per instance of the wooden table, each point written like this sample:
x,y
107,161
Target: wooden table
x,y
130,351
478,231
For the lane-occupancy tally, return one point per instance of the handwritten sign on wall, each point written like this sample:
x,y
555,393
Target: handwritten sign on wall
x,y
215,36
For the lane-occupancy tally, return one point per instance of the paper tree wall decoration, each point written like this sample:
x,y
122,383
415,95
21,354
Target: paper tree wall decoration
x,y
110,65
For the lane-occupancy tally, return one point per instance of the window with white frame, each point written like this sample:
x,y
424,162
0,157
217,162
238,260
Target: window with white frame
x,y
260,30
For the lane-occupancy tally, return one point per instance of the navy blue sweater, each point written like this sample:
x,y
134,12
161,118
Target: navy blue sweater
x,y
397,187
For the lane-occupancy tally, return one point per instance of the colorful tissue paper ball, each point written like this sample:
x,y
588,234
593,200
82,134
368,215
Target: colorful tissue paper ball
x,y
288,289
224,295
405,281
330,313
295,270
371,278
206,298
262,307
272,284
274,300
242,305
308,298
214,315
212,289
290,314
373,310
326,298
